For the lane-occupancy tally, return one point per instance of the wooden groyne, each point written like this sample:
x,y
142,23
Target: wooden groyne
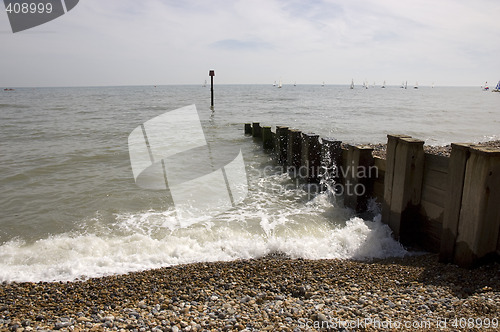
x,y
449,205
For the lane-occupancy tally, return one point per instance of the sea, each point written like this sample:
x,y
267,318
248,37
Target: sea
x,y
70,208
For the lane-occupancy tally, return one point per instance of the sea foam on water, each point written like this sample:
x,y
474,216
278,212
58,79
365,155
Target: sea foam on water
x,y
263,224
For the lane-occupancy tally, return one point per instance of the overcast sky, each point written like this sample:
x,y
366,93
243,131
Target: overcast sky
x,y
154,42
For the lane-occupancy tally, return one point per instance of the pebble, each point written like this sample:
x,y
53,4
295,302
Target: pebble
x,y
266,294
380,150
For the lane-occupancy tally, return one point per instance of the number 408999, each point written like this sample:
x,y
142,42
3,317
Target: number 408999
x,y
29,8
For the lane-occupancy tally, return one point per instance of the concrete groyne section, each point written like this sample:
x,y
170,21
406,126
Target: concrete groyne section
x,y
448,205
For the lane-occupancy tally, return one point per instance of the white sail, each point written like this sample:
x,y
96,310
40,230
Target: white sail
x,y
497,88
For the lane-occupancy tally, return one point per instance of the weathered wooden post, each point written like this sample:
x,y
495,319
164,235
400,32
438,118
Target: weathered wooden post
x,y
311,157
294,152
256,130
456,176
358,185
403,184
281,144
479,223
267,138
331,159
392,143
248,129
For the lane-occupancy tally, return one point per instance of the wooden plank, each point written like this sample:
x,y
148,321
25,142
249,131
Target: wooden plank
x,y
431,211
267,138
429,235
498,243
281,144
436,179
392,143
360,159
294,152
479,222
311,156
456,174
437,163
378,190
434,195
380,163
256,130
406,187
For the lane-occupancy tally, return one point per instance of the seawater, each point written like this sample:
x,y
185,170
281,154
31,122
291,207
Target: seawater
x,y
69,207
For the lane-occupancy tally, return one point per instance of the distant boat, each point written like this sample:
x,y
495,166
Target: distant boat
x,y
295,84
8,89
323,83
497,88
352,84
406,84
205,84
279,85
415,86
383,85
486,87
432,85
274,84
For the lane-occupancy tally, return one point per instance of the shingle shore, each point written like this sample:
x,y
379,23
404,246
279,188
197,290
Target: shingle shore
x,y
380,150
271,293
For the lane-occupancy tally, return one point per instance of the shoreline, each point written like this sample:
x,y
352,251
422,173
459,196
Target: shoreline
x,y
270,293
380,149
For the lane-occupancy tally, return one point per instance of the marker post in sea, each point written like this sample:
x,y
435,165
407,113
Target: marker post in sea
x,y
211,73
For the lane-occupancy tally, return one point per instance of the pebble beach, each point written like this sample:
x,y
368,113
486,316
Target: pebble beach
x,y
380,150
273,293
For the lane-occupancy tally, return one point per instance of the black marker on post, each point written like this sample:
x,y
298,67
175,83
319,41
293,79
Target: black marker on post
x,y
211,73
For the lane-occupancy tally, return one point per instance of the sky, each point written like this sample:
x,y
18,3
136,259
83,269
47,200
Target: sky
x,y
160,42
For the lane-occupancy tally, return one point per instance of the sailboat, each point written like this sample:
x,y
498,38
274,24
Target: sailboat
x,y
352,84
497,88
406,84
416,85
486,87
323,83
295,83
274,84
402,85
383,85
205,84
279,84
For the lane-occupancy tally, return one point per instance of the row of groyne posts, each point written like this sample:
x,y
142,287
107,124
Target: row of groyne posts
x,y
444,204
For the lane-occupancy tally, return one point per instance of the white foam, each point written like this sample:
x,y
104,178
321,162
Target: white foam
x,y
287,222
68,257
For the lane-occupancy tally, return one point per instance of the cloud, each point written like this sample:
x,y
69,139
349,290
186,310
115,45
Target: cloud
x,y
174,42
236,45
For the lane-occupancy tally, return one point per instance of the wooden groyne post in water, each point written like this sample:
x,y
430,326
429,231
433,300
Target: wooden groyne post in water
x,y
358,184
294,152
441,204
311,157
